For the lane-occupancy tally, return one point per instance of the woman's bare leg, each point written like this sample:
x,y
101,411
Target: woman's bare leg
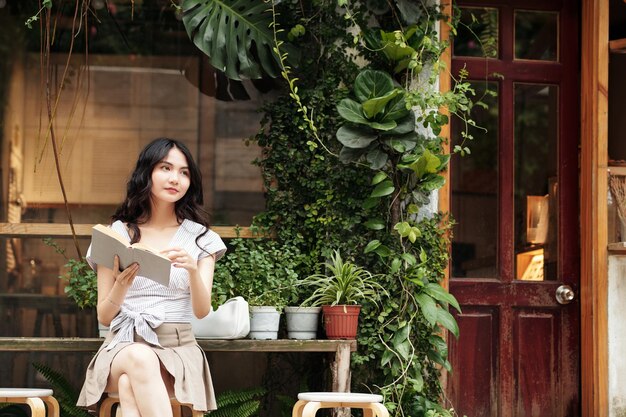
x,y
127,397
143,369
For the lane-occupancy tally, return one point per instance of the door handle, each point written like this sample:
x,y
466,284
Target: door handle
x,y
564,294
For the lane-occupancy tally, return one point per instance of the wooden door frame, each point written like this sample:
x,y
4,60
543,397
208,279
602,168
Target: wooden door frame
x,y
593,207
593,200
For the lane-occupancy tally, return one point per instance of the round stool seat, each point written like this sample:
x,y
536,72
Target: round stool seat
x,y
340,397
24,392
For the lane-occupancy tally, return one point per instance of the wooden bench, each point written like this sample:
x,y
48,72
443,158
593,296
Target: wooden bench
x,y
341,349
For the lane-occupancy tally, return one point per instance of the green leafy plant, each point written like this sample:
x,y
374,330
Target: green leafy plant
x,y
82,281
235,35
241,403
378,121
63,391
261,270
343,283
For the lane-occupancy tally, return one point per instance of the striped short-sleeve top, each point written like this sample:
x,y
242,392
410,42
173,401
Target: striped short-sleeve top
x,y
148,303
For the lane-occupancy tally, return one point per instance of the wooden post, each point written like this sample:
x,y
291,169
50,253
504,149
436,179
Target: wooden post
x,y
593,210
340,370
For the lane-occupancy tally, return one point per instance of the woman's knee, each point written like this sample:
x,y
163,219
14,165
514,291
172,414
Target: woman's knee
x,y
138,358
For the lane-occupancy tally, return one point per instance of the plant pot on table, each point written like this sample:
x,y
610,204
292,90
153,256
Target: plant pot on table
x,y
341,321
302,322
264,322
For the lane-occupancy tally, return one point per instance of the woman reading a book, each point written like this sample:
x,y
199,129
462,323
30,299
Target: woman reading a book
x,y
150,353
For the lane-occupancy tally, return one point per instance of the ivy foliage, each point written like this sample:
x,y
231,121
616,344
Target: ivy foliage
x,y
386,126
263,271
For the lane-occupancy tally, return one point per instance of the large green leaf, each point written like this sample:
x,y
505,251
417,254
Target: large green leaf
x,y
403,143
427,163
405,125
383,189
376,158
355,137
347,155
429,307
393,50
351,111
371,84
440,294
447,320
235,35
376,105
396,109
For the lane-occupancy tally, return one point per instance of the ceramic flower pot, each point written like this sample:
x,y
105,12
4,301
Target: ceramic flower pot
x,y
103,330
341,321
302,322
264,322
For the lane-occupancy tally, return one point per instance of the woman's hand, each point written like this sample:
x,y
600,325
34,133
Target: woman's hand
x,y
181,259
125,277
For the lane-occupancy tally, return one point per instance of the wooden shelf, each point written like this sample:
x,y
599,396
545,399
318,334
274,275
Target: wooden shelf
x,y
77,344
618,46
61,230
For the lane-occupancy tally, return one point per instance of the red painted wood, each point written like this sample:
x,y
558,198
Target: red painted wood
x,y
476,369
535,367
518,353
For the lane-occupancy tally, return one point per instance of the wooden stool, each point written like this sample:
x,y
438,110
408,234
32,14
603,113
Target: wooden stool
x,y
34,398
309,402
113,398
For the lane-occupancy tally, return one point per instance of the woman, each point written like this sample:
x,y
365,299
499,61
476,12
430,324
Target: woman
x,y
150,353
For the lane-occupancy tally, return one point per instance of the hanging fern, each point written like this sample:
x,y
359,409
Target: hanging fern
x,y
63,391
243,403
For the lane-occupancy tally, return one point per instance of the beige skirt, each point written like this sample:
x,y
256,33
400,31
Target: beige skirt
x,y
180,356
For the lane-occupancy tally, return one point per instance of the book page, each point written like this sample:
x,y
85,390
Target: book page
x,y
152,265
105,245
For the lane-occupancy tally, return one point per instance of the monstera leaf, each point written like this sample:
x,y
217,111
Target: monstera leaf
x,y
235,35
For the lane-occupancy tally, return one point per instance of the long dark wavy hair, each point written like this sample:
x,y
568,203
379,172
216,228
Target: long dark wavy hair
x,y
136,208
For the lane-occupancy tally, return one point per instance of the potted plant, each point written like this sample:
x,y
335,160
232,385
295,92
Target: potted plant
x,y
340,291
263,272
81,282
302,321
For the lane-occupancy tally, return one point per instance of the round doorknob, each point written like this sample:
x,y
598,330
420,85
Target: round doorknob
x,y
564,294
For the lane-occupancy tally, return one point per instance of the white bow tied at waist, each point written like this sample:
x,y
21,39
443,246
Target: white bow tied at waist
x,y
127,322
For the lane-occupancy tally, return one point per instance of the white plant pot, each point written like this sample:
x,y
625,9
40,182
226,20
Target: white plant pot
x,y
302,322
264,323
103,330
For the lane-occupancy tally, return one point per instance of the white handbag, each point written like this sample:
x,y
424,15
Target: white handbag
x,y
231,320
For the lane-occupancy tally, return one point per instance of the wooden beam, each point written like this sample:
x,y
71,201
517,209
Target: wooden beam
x,y
62,230
618,46
445,84
593,202
76,344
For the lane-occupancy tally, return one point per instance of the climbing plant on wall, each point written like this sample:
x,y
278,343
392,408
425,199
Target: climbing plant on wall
x,y
352,157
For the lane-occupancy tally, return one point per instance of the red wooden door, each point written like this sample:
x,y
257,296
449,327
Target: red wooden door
x,y
515,200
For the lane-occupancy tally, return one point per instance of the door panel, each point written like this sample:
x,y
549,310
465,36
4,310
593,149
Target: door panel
x,y
515,200
476,389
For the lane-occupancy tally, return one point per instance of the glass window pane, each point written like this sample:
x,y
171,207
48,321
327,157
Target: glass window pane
x,y
536,222
474,179
477,32
536,35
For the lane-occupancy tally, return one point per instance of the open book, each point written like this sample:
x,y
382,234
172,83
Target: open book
x,y
106,243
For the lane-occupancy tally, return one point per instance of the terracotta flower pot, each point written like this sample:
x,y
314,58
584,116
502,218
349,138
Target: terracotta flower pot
x,y
341,321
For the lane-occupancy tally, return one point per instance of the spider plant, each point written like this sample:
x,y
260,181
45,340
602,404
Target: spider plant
x,y
343,283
